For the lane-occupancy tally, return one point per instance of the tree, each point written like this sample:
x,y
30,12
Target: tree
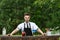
x,y
45,13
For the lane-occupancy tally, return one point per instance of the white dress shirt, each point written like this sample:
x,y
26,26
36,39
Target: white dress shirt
x,y
21,26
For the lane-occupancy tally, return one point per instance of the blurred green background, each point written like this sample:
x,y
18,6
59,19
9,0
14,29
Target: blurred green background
x,y
45,13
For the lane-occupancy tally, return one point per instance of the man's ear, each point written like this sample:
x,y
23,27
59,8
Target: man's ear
x,y
24,17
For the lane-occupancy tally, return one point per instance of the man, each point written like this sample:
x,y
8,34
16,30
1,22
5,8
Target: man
x,y
27,26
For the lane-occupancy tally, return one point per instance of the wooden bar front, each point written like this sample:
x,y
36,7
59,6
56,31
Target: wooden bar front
x,y
29,38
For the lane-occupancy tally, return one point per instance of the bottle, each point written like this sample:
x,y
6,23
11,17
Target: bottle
x,y
4,31
48,33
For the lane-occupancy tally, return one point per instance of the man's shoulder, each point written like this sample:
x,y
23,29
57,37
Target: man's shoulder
x,y
32,22
20,24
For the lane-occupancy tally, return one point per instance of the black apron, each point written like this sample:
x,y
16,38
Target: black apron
x,y
28,30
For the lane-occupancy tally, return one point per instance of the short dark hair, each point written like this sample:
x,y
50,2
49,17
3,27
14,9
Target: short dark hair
x,y
28,14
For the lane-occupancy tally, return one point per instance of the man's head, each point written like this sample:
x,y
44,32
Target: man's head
x,y
26,17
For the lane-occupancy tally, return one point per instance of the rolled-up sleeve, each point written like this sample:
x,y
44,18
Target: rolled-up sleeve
x,y
18,27
35,26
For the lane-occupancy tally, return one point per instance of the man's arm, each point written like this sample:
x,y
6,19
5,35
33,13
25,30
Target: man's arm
x,y
13,32
40,31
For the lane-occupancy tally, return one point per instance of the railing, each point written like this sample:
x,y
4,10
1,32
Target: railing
x,y
29,38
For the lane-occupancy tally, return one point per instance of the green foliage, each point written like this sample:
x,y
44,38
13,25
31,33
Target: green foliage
x,y
45,13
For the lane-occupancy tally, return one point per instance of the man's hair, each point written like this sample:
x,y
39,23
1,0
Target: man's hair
x,y
28,14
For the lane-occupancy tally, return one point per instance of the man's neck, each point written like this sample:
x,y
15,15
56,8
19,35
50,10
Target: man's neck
x,y
27,21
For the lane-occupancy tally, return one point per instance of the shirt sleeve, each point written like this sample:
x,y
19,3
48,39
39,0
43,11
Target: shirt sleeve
x,y
19,27
35,26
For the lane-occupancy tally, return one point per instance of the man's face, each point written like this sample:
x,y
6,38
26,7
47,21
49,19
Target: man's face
x,y
26,18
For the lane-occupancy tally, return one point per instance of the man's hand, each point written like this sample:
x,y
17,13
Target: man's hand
x,y
40,31
13,32
9,34
43,34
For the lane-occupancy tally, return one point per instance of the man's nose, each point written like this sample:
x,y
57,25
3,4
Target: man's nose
x,y
27,18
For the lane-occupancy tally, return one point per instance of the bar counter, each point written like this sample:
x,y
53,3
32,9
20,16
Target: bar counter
x,y
54,37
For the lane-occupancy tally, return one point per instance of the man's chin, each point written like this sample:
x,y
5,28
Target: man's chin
x,y
27,21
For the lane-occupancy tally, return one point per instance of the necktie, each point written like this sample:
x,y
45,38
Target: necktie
x,y
27,25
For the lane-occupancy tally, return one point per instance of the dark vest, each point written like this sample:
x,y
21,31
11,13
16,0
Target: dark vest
x,y
28,30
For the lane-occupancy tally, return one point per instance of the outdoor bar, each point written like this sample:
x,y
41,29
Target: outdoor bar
x,y
56,37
